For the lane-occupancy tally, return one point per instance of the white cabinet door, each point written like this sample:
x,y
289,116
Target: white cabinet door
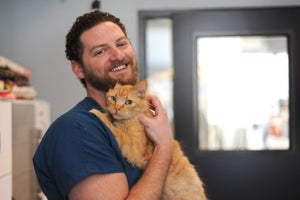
x,y
5,150
6,187
5,138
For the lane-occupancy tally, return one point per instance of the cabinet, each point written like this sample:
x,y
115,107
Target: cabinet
x,y
28,122
5,150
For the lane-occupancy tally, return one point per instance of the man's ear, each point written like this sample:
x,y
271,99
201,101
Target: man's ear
x,y
77,69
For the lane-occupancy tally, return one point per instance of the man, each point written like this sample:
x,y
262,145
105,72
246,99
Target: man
x,y
79,157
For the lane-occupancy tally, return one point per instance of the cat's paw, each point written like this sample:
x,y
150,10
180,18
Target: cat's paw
x,y
99,114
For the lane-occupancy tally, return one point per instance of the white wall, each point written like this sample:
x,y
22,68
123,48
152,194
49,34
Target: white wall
x,y
32,33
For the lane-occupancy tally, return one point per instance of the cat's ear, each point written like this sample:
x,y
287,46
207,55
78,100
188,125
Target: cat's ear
x,y
141,88
117,85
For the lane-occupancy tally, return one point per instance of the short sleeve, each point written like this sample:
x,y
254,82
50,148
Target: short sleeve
x,y
76,147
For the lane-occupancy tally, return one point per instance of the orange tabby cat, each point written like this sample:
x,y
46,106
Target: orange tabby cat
x,y
124,105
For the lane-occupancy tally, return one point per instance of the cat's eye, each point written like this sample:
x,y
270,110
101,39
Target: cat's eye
x,y
128,102
113,98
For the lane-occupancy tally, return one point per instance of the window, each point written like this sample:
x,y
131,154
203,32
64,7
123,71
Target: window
x,y
243,84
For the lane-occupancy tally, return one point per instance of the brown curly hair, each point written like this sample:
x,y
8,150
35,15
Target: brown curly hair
x,y
74,47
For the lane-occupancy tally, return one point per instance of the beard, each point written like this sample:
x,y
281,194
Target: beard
x,y
105,82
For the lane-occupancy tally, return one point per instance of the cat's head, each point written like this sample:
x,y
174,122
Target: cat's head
x,y
127,101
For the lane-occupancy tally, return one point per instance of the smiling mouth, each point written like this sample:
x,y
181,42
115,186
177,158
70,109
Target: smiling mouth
x,y
118,68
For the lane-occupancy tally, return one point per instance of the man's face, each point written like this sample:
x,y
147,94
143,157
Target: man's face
x,y
107,57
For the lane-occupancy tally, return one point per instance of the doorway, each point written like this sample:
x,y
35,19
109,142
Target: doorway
x,y
203,97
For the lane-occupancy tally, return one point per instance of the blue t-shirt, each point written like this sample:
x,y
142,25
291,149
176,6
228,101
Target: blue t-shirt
x,y
76,146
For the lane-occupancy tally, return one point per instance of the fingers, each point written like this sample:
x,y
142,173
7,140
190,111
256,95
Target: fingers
x,y
150,97
144,120
155,104
157,128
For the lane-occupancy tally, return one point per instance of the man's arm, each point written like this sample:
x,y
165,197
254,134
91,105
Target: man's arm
x,y
150,186
100,186
159,131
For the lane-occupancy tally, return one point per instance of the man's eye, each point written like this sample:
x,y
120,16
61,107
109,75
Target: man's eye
x,y
100,51
122,44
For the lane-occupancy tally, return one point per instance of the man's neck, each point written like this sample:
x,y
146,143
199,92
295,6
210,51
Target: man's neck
x,y
98,96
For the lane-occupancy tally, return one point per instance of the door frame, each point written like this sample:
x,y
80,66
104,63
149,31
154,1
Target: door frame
x,y
232,174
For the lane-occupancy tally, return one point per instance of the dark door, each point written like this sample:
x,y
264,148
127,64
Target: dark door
x,y
237,174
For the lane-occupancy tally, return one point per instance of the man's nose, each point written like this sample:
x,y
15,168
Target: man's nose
x,y
116,54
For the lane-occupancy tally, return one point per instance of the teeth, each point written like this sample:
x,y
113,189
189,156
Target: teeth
x,y
118,68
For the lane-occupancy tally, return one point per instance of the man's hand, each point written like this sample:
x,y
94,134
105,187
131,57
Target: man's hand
x,y
157,128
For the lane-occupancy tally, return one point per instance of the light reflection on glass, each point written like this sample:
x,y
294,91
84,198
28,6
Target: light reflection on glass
x,y
159,63
243,85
